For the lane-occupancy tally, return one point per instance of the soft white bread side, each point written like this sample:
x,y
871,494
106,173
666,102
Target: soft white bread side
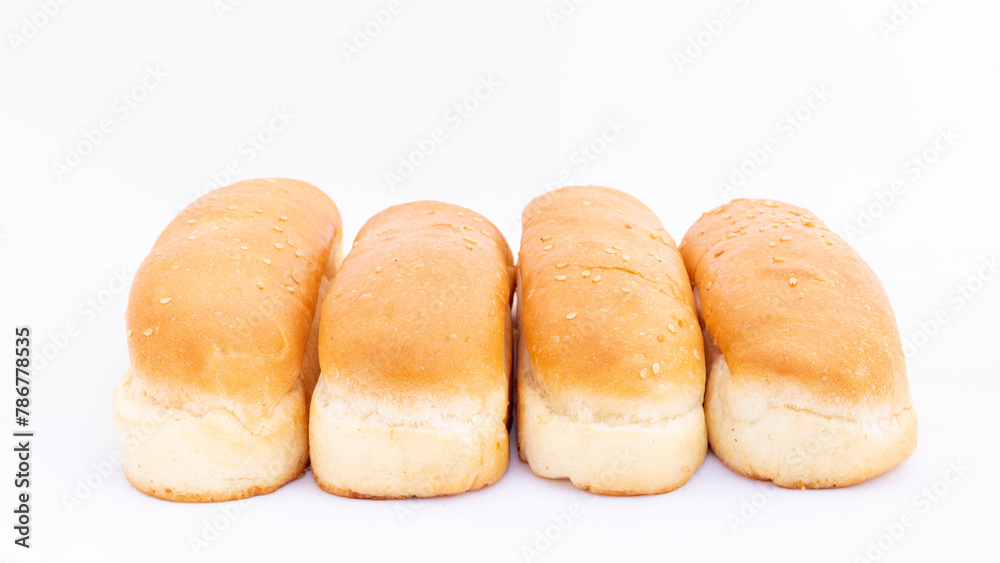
x,y
415,345
807,379
222,321
611,371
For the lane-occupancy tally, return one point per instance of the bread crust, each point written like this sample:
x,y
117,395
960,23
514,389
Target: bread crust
x,y
222,321
809,353
415,347
612,353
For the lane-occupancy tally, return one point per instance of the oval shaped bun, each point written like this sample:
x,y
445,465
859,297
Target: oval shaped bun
x,y
219,322
809,387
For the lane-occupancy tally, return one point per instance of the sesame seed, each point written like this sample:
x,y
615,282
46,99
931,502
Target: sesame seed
x,y
792,282
295,278
732,235
298,254
191,221
772,244
266,261
289,242
561,265
661,337
809,224
619,211
616,247
277,245
656,368
561,278
628,226
453,336
148,331
290,289
431,212
548,247
545,239
719,253
470,247
778,259
378,269
785,238
610,250
471,240
477,219
587,203
571,316
279,229
643,372
672,329
626,290
696,354
624,256
128,332
192,237
586,273
596,279
165,300
283,218
232,207
460,214
260,285
259,210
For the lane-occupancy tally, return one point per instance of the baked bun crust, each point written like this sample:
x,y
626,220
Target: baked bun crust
x,y
611,369
808,385
415,346
222,320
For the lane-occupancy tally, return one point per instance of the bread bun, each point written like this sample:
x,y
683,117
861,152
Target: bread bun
x,y
415,346
807,384
611,369
222,320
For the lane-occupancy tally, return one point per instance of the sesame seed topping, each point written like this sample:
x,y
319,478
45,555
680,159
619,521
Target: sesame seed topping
x,y
792,282
378,269
829,243
259,210
471,240
616,247
561,265
289,242
778,259
625,289
708,285
548,247
470,247
431,212
277,245
477,219
266,261
232,207
290,289
561,278
279,229
672,329
772,244
295,278
192,237
596,279
624,256
298,254
545,239
460,214
719,253
610,250
128,332
571,316
165,300
586,273
587,203
696,354
661,337
656,368
191,221
148,331
628,225
260,285
809,223
643,372
785,238
732,235
453,336
619,211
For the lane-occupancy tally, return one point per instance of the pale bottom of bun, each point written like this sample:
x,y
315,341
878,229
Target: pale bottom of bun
x,y
618,460
209,456
796,448
390,454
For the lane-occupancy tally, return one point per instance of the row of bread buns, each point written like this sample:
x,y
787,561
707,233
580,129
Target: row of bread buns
x,y
254,350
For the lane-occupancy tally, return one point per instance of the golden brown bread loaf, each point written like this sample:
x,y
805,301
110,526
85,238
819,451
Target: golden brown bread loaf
x,y
415,346
807,385
611,370
221,340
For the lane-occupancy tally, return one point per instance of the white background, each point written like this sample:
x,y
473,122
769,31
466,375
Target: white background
x,y
66,234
